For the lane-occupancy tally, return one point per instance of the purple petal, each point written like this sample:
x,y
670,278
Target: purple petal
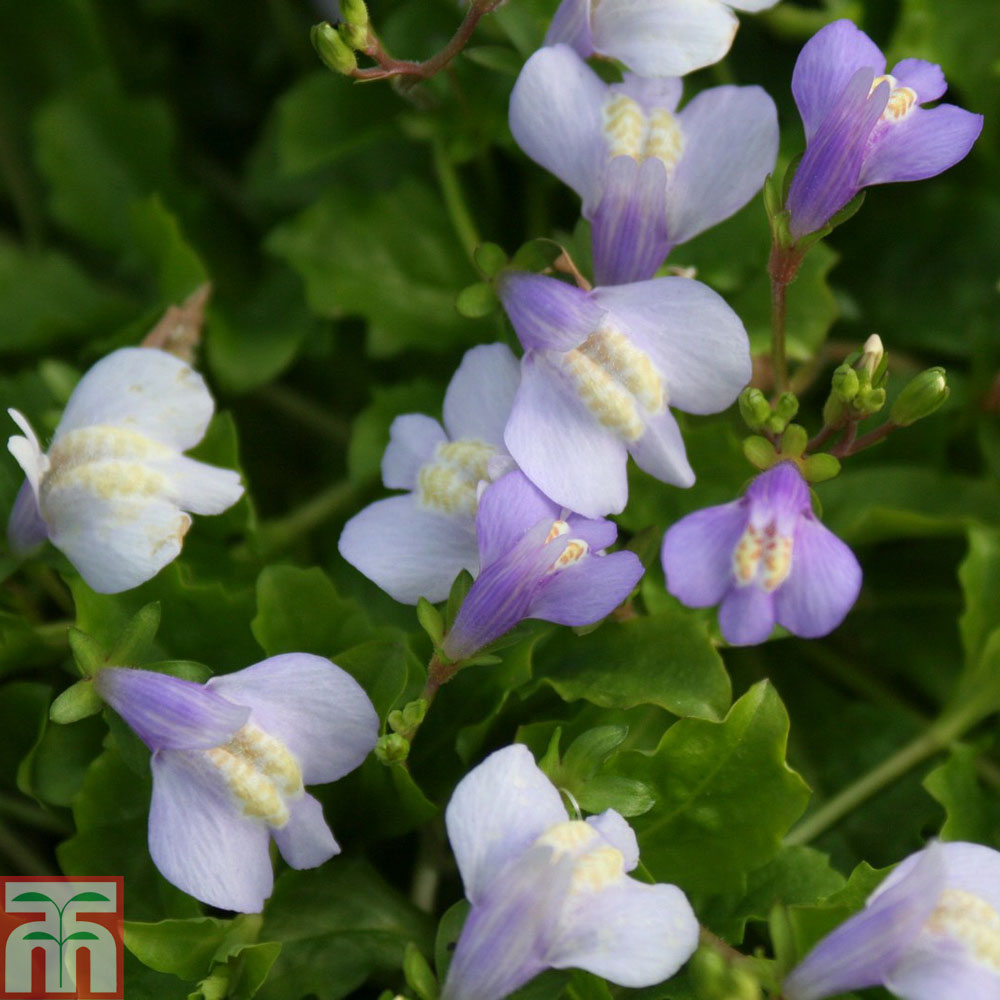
x,y
825,68
25,530
862,951
555,117
200,840
168,713
571,25
614,828
507,509
560,445
828,176
746,616
730,146
316,709
142,389
823,584
629,933
781,494
922,145
409,550
660,451
413,439
480,394
689,332
305,841
940,968
969,867
651,91
588,590
697,554
663,37
509,930
596,532
630,222
546,312
926,78
497,811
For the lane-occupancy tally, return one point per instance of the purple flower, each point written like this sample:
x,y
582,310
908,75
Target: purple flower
x,y
930,931
550,892
864,126
114,490
537,561
415,545
600,370
651,37
230,759
766,558
650,177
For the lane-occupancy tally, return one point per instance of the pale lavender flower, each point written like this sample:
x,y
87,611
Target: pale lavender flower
x,y
230,761
537,561
550,892
415,545
650,177
864,126
766,558
930,931
114,489
599,372
651,37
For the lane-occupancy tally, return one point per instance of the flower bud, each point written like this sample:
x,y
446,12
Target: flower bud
x,y
392,748
869,400
335,53
920,398
353,35
845,383
759,452
870,361
784,410
794,440
754,408
354,12
820,467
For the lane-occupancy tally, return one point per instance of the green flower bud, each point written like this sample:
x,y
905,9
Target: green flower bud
x,y
353,35
754,408
869,400
354,12
794,440
834,410
920,398
759,452
392,748
845,383
820,467
787,406
335,53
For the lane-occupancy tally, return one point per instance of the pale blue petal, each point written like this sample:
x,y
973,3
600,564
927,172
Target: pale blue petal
x,y
410,551
660,451
316,709
305,841
413,438
25,530
555,117
651,92
746,616
939,968
926,78
823,584
507,510
168,712
614,828
571,25
199,839
697,554
629,933
497,811
730,146
480,394
546,312
561,446
689,332
588,590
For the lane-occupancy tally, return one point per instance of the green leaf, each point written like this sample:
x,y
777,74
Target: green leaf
x,y
133,642
338,925
300,611
711,778
970,812
187,948
664,660
476,300
979,575
391,259
53,770
155,237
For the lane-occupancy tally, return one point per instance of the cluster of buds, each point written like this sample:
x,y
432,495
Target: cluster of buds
x,y
858,385
336,46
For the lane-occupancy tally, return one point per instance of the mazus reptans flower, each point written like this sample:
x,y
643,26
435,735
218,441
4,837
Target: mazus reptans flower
x,y
230,760
764,558
650,176
115,492
551,892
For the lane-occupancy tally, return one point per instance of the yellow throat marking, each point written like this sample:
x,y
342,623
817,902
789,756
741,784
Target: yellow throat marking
x,y
631,132
968,918
596,863
449,481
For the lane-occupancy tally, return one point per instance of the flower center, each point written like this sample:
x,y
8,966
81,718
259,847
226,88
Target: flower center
x,y
764,556
261,772
596,863
968,918
902,100
614,379
631,132
448,482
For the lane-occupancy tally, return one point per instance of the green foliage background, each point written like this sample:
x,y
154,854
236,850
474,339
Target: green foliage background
x,y
147,146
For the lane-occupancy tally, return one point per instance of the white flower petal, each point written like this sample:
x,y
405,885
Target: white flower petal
x,y
480,394
305,841
412,440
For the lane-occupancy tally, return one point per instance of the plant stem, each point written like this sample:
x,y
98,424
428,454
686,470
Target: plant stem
x,y
454,200
779,309
852,446
937,737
